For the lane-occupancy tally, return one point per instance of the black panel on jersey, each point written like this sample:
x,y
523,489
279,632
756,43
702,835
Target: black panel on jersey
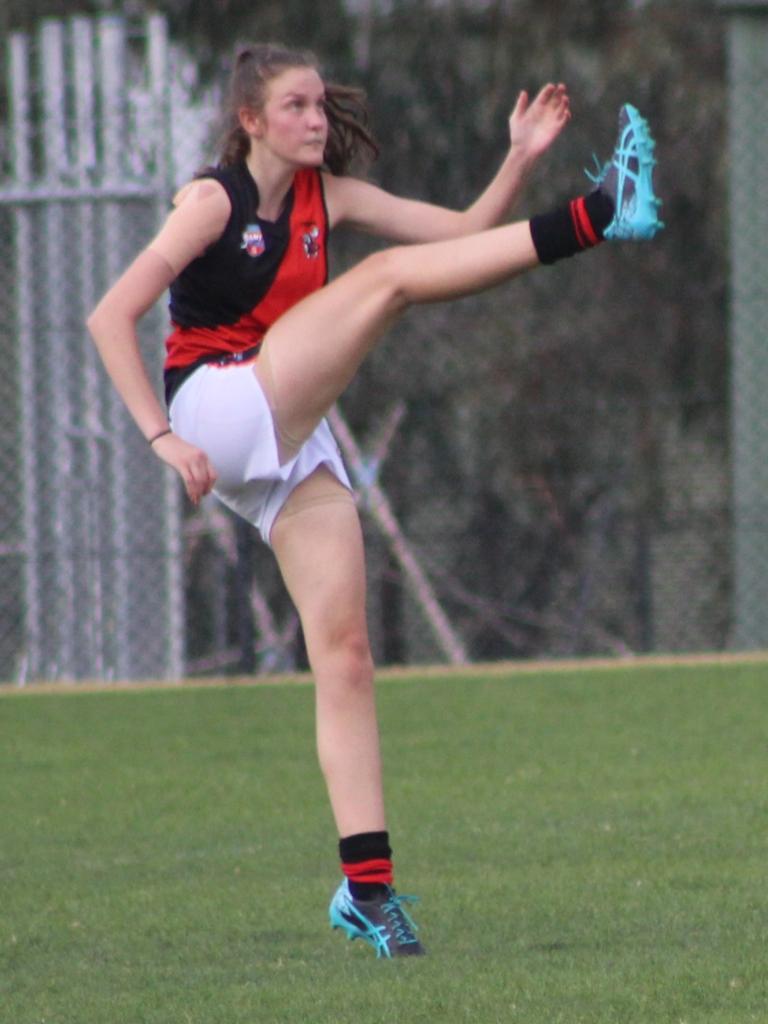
x,y
226,282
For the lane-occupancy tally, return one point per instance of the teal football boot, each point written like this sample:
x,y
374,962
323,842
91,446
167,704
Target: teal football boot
x,y
382,922
628,179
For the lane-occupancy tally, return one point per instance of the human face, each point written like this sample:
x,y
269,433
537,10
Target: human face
x,y
293,124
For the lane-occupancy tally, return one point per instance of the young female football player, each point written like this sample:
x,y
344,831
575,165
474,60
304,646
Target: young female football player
x,y
262,345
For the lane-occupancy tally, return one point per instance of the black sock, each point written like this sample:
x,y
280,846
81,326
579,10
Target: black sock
x,y
366,860
572,228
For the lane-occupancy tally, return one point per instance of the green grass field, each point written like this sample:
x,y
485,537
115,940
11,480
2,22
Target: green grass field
x,y
590,846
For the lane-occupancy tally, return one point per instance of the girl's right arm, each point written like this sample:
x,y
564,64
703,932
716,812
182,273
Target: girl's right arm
x,y
198,220
533,127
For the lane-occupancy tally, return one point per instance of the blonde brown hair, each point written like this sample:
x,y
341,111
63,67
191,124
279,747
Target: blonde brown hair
x,y
349,137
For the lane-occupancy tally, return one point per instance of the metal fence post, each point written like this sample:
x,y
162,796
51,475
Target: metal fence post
x,y
56,351
92,437
159,61
30,659
748,151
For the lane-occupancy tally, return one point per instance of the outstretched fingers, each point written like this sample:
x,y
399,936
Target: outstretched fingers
x,y
535,124
553,101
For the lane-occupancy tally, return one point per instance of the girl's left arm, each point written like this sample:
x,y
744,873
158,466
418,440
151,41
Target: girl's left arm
x,y
533,127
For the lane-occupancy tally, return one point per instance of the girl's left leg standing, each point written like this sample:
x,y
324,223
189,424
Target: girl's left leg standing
x,y
319,549
318,542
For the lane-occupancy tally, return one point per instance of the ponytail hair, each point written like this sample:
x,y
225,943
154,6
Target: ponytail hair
x,y
349,137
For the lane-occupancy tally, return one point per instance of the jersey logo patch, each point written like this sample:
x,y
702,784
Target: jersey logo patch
x,y
253,240
311,241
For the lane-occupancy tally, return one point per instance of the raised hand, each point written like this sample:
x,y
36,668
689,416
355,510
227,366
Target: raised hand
x,y
534,125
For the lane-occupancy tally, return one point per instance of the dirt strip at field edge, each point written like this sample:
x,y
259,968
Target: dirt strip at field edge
x,y
477,669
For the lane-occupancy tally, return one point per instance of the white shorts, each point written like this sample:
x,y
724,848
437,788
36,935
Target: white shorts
x,y
223,411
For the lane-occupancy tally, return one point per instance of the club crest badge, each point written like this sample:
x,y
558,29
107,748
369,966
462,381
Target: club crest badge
x,y
311,241
253,240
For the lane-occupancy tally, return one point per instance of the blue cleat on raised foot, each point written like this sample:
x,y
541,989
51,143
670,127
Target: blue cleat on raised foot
x,y
382,922
628,179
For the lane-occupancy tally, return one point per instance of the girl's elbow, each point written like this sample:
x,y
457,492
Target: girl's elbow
x,y
102,319
93,322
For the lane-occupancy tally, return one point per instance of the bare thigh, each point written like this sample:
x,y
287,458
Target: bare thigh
x,y
319,546
313,351
310,355
317,539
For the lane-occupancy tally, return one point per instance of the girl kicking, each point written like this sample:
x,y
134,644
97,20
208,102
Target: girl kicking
x,y
261,346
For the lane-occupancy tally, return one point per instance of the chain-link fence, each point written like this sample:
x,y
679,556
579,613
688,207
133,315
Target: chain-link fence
x,y
748,144
523,494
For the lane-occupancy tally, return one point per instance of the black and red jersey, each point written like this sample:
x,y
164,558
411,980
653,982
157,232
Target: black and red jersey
x,y
224,301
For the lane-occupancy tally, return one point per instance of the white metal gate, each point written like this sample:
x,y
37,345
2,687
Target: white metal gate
x,y
90,532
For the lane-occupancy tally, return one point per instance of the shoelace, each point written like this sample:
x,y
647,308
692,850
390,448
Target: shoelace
x,y
402,924
597,177
627,148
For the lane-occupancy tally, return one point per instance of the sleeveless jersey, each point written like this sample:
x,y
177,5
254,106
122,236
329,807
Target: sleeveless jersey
x,y
224,301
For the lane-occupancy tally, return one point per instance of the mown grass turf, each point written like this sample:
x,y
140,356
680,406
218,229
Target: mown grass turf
x,y
590,847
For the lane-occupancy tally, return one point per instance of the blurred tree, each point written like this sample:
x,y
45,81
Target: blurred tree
x,y
567,399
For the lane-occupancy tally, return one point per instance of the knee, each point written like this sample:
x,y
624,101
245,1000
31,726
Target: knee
x,y
344,661
385,268
354,660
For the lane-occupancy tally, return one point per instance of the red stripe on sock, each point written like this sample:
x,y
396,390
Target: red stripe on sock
x,y
377,871
585,229
575,220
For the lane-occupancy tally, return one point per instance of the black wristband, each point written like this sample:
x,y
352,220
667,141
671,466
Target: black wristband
x,y
151,440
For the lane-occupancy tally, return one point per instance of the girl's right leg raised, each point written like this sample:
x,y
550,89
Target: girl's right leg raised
x,y
314,350
312,353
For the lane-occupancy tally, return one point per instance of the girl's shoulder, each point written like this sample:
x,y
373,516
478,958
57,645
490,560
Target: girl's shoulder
x,y
200,188
232,182
200,214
